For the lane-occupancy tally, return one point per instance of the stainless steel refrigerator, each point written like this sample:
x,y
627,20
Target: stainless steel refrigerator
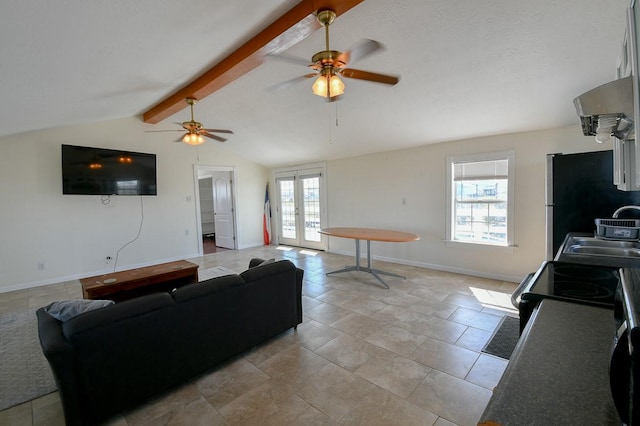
x,y
579,189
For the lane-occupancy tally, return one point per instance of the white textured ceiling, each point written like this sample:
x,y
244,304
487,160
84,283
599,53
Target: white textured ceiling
x,y
468,68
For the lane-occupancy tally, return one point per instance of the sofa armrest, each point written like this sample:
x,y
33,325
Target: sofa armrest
x,y
299,277
60,355
50,333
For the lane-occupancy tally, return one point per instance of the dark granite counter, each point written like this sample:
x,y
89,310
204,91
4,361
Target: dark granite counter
x,y
558,373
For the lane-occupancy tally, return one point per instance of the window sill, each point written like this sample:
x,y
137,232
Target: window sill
x,y
478,246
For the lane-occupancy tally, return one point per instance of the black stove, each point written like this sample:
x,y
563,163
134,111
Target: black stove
x,y
569,282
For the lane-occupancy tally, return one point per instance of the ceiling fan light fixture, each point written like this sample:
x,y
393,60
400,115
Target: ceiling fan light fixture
x,y
193,139
328,86
336,86
320,86
195,132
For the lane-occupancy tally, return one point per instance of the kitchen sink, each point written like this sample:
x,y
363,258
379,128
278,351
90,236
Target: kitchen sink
x,y
604,251
596,242
596,251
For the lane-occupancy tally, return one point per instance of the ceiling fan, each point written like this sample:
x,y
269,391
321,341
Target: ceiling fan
x,y
195,131
330,64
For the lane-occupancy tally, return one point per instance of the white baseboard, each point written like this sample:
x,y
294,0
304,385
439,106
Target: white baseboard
x,y
55,280
444,268
251,245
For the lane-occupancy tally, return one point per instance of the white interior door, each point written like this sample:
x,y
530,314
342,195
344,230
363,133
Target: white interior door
x,y
221,187
223,210
300,207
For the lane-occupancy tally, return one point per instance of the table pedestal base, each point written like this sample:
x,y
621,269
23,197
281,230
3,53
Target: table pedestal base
x,y
375,272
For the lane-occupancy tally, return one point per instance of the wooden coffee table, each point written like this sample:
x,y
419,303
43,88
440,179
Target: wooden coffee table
x,y
124,285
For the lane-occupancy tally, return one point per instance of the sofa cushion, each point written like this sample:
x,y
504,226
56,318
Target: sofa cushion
x,y
205,288
265,269
266,262
66,309
120,311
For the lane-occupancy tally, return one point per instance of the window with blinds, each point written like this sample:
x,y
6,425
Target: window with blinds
x,y
480,202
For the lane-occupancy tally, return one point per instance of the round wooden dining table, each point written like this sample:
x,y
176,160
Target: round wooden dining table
x,y
369,234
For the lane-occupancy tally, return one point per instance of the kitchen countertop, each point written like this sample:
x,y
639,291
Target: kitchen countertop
x,y
559,370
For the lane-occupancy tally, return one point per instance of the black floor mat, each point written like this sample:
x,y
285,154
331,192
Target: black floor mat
x,y
504,339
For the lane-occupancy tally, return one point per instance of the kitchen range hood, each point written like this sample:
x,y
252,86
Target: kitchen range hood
x,y
607,110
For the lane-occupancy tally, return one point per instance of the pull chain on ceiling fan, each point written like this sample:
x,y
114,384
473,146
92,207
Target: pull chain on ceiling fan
x,y
195,132
329,65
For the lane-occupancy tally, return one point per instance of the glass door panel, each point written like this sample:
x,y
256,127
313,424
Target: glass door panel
x,y
311,208
288,212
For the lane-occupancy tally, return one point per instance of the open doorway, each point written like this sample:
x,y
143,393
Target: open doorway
x,y
215,212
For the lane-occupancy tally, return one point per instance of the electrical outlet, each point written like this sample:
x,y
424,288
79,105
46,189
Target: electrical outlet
x,y
186,232
41,266
404,201
108,260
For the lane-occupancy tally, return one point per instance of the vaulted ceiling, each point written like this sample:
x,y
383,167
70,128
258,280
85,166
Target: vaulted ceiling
x,y
467,69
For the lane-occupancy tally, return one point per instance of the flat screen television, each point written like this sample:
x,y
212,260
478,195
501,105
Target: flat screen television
x,y
99,171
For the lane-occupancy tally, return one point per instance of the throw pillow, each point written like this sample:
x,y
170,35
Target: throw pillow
x,y
67,309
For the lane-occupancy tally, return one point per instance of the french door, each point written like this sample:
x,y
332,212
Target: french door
x,y
300,208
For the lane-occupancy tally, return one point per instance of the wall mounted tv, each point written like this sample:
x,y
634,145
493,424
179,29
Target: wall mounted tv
x,y
98,171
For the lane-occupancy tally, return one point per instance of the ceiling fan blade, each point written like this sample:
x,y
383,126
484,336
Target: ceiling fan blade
x,y
292,59
291,82
162,131
179,139
369,76
361,50
218,131
216,137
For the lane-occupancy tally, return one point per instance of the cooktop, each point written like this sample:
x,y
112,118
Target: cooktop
x,y
572,282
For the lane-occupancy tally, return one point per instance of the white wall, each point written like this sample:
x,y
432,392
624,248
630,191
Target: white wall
x,y
72,234
367,191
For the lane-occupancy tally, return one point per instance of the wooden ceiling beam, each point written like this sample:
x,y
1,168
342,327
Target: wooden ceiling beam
x,y
288,30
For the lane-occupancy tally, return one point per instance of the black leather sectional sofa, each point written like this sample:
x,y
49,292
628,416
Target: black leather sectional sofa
x,y
114,358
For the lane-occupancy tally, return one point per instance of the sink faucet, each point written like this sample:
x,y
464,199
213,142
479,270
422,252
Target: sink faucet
x,y
621,209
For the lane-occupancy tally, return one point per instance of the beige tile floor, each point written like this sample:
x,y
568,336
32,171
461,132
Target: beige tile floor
x,y
365,355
